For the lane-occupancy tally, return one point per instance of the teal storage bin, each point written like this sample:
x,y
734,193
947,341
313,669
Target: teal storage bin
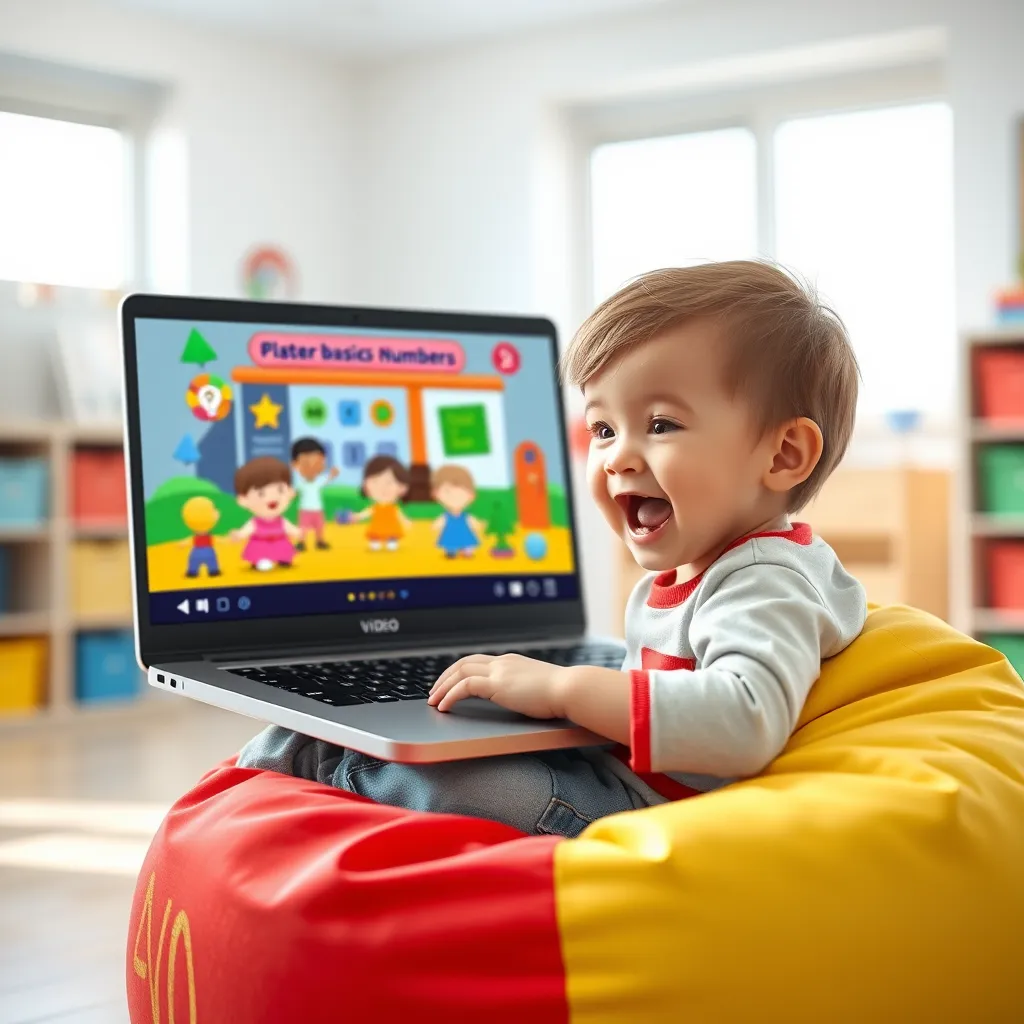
x,y
22,492
1010,644
105,667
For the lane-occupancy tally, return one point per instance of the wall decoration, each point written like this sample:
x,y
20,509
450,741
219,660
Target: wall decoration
x,y
87,363
268,273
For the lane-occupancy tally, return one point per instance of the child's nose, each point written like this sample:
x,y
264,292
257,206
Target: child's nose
x,y
623,457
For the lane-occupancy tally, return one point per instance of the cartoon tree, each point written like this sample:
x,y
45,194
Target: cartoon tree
x,y
198,350
187,451
499,526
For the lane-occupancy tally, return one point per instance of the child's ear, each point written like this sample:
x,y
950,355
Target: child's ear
x,y
795,449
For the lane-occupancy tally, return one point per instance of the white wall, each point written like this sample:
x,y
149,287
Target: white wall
x,y
459,152
264,132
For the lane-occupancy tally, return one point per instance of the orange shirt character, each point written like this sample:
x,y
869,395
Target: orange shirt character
x,y
385,483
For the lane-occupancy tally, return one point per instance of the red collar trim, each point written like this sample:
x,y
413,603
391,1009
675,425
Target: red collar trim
x,y
666,593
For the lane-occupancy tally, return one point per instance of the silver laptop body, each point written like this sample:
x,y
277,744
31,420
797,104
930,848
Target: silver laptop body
x,y
215,385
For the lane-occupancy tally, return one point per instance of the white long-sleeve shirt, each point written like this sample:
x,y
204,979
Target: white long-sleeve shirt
x,y
721,665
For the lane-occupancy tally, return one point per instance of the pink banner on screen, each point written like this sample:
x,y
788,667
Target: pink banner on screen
x,y
351,352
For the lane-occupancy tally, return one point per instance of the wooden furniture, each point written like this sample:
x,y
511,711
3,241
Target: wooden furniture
x,y
42,558
890,528
987,507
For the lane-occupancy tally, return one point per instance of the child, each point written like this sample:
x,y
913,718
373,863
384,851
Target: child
x,y
263,486
200,515
309,462
719,398
385,483
454,490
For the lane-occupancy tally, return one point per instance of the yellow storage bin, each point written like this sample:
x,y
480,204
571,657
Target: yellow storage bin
x,y
101,581
22,662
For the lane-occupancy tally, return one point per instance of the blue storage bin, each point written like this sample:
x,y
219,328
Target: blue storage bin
x,y
5,580
105,666
22,492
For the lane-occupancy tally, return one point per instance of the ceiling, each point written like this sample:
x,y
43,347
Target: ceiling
x,y
377,29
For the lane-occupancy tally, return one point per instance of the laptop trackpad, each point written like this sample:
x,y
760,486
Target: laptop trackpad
x,y
480,710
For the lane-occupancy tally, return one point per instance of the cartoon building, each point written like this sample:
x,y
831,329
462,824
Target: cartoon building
x,y
421,418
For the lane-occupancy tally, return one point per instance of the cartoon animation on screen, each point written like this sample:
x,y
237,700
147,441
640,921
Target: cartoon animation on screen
x,y
332,458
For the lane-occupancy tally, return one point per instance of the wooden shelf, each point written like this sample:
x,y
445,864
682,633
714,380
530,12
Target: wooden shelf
x,y
23,534
97,434
104,620
1009,335
99,531
998,620
24,623
997,526
996,430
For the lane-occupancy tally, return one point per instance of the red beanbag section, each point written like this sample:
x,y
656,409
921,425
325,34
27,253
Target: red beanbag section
x,y
340,909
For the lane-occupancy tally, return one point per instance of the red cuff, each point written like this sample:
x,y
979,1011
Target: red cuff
x,y
640,721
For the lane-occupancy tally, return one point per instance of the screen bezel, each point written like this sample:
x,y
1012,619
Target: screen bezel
x,y
341,629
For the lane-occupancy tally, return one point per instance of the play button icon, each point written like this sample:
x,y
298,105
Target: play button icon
x,y
183,607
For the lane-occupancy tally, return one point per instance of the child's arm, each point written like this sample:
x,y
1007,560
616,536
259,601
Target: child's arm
x,y
294,533
759,637
477,525
438,524
359,517
405,520
244,532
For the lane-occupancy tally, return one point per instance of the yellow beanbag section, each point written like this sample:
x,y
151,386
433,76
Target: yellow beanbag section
x,y
875,874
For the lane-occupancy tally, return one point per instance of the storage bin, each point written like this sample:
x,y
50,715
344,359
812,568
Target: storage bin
x,y
98,491
1002,478
22,664
1001,383
1006,574
5,580
101,578
1010,644
105,666
22,492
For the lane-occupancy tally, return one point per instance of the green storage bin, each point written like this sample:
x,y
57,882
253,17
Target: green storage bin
x,y
1002,479
1010,644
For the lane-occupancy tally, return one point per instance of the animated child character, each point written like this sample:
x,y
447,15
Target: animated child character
x,y
263,486
309,462
200,515
385,483
458,532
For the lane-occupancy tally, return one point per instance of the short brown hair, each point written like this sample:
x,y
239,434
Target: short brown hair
x,y
383,464
455,476
789,354
261,472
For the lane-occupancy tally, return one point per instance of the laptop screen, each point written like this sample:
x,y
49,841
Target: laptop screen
x,y
302,471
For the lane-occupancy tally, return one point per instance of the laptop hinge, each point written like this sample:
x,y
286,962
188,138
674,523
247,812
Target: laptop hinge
x,y
468,641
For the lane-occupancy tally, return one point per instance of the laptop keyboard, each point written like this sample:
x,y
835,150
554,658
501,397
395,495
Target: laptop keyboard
x,y
388,680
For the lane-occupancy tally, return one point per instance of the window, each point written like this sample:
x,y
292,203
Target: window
x,y
859,203
64,202
672,201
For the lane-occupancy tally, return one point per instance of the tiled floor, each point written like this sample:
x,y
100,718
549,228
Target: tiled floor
x,y
78,802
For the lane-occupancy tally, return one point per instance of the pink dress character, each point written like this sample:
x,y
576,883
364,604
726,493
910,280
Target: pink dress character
x,y
263,486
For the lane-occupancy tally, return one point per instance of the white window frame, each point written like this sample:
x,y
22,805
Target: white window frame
x,y
130,106
761,110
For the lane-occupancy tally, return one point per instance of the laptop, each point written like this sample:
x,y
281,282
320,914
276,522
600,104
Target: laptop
x,y
330,505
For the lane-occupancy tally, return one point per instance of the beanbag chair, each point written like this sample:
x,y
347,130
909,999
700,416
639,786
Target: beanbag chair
x,y
874,873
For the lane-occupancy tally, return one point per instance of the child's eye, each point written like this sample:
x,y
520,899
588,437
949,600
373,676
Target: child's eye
x,y
601,431
660,425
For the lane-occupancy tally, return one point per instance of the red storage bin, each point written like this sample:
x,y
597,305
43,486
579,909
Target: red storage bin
x,y
1006,574
98,493
1001,384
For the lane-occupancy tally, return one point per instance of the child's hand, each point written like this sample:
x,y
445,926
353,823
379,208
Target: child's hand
x,y
530,687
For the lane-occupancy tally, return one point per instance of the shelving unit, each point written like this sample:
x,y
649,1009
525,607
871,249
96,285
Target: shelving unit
x,y
983,526
42,556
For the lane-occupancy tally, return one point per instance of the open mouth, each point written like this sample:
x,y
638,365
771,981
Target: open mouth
x,y
272,505
645,516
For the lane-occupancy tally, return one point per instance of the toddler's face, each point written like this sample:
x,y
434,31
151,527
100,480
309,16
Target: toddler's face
x,y
310,465
384,488
453,498
267,502
675,464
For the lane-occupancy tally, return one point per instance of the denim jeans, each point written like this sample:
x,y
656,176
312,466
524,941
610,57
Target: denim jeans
x,y
554,792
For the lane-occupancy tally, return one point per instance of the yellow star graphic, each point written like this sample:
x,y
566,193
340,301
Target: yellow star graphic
x,y
266,412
